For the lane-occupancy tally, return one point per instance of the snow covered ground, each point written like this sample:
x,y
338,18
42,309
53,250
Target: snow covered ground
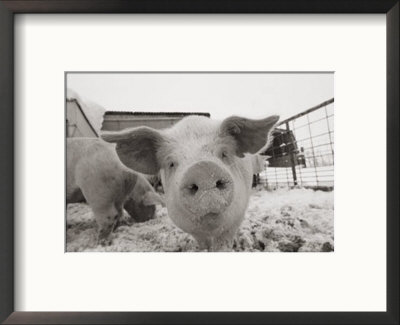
x,y
297,220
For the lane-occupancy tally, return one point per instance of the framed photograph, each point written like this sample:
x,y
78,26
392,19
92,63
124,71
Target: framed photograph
x,y
218,198
214,163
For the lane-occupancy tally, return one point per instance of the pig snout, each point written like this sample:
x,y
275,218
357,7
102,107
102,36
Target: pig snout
x,y
206,189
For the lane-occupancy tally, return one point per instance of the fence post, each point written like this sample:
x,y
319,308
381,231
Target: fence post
x,y
292,160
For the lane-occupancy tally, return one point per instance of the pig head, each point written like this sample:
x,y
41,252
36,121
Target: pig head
x,y
206,168
141,202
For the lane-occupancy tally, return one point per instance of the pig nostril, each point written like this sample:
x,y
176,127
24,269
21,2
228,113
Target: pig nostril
x,y
220,184
193,189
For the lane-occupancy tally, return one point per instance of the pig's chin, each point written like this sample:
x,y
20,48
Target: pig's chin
x,y
209,221
197,224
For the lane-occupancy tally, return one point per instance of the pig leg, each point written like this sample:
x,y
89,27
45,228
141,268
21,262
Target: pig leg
x,y
223,245
224,242
102,201
103,237
119,222
105,214
106,219
215,244
205,244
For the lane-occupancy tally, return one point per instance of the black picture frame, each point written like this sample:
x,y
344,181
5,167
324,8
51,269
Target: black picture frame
x,y
8,8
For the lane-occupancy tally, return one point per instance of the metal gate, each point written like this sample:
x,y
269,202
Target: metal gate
x,y
302,152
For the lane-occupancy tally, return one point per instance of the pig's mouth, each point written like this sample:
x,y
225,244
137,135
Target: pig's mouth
x,y
211,216
210,221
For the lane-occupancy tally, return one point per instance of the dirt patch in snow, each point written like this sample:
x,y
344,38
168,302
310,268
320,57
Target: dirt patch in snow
x,y
297,220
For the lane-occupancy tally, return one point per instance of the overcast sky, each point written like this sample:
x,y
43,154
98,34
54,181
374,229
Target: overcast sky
x,y
221,95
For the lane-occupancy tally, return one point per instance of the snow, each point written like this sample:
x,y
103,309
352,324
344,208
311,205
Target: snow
x,y
93,111
283,220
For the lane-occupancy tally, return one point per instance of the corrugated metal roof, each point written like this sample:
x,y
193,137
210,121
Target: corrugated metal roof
x,y
178,114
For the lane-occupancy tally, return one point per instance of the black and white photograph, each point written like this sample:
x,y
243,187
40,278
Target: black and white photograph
x,y
216,163
199,162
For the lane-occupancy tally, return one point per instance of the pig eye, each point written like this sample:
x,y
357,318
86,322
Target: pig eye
x,y
170,163
224,154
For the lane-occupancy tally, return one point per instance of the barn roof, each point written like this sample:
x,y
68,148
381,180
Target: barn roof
x,y
177,114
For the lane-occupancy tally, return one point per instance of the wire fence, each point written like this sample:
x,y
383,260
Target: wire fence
x,y
302,152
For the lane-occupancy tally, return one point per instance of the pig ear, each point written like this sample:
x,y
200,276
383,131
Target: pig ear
x,y
152,198
137,148
250,135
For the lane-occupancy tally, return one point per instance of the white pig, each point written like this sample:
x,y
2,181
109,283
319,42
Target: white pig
x,y
95,174
206,169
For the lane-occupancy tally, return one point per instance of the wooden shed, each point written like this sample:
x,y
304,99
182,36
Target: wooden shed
x,y
77,123
117,120
83,118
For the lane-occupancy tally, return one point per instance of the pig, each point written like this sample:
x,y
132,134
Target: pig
x,y
258,163
96,175
206,169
